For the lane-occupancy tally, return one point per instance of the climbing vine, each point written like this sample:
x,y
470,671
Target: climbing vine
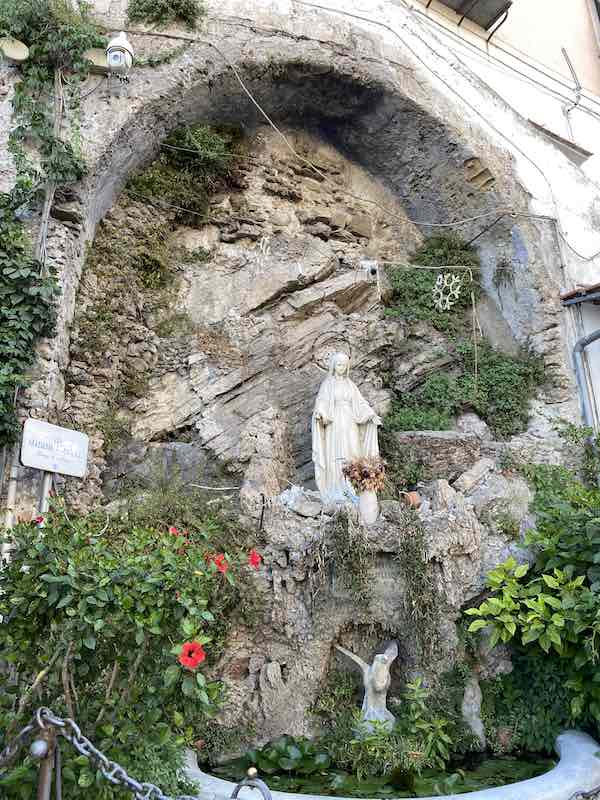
x,y
57,36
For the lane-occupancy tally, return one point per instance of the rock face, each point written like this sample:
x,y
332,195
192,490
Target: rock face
x,y
244,330
275,673
211,376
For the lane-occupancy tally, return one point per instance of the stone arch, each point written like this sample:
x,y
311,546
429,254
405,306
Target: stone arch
x,y
386,114
376,105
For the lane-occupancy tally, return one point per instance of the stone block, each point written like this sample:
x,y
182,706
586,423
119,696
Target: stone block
x,y
469,479
444,454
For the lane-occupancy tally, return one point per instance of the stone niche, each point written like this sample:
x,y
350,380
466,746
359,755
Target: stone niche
x,y
213,381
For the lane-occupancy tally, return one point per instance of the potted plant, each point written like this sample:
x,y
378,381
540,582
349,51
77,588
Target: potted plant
x,y
367,476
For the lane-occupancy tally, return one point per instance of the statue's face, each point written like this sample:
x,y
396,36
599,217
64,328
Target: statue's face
x,y
341,364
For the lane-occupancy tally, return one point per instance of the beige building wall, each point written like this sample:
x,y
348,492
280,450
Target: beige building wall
x,y
541,28
538,29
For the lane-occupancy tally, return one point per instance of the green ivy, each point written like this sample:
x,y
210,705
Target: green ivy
x,y
57,33
27,310
57,36
102,608
161,13
412,288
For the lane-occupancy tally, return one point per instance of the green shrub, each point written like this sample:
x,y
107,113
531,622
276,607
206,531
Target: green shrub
x,y
191,166
412,297
551,609
161,13
500,394
104,607
507,704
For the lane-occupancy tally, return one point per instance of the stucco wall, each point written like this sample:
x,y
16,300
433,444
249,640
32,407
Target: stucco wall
x,y
539,29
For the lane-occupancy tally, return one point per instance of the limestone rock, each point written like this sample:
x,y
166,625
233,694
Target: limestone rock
x,y
444,454
471,423
469,479
248,281
454,538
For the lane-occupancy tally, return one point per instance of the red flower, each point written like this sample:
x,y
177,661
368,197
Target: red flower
x,y
38,520
173,531
192,654
221,562
254,559
218,560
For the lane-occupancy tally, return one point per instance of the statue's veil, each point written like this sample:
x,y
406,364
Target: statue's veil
x,y
333,359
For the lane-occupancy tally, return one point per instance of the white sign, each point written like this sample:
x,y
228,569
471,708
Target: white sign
x,y
54,449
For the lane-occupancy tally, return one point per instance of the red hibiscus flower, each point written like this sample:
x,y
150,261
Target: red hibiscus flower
x,y
254,559
38,520
173,530
221,562
218,560
192,655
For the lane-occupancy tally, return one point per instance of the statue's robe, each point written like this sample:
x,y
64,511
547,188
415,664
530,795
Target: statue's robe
x,y
342,431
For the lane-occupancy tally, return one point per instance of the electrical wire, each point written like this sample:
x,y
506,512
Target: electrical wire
x,y
404,220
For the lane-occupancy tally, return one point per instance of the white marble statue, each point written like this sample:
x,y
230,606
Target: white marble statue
x,y
344,429
376,679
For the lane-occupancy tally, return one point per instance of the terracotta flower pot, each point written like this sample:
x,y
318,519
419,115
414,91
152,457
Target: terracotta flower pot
x,y
412,499
368,507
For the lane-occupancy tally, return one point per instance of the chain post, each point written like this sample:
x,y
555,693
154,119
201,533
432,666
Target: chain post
x,y
43,747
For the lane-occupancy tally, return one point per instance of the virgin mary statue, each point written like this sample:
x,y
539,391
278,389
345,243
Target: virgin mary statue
x,y
344,429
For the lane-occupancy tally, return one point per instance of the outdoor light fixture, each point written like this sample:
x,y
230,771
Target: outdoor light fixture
x,y
119,55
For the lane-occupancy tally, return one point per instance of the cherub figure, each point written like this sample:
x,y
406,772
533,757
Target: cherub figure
x,y
376,680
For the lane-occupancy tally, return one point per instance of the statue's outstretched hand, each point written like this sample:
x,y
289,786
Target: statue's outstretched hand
x,y
376,420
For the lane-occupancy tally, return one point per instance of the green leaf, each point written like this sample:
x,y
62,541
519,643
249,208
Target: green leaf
x,y
551,582
64,601
477,625
86,779
171,676
521,570
90,642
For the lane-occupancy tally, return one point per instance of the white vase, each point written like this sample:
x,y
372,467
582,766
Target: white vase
x,y
368,507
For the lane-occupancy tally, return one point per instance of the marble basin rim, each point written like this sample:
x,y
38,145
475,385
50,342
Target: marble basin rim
x,y
578,770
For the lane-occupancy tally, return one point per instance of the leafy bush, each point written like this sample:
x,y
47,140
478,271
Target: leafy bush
x,y
551,609
419,739
507,705
100,610
289,754
161,13
412,288
193,163
501,394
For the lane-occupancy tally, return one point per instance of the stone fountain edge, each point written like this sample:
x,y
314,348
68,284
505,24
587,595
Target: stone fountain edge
x,y
578,770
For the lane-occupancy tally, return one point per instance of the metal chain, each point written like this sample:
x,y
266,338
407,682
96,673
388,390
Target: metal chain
x,y
70,731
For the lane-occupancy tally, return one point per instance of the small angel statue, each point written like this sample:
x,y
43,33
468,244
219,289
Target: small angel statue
x,y
376,680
